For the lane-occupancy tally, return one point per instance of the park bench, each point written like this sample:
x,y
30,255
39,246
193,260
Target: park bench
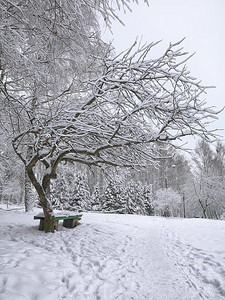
x,y
70,219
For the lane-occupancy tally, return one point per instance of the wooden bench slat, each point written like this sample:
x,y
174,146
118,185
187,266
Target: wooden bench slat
x,y
69,221
59,218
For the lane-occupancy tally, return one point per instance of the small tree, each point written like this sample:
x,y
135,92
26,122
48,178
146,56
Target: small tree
x,y
148,200
130,197
60,195
113,196
80,198
96,202
139,199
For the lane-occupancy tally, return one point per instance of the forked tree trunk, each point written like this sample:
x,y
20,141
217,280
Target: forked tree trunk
x,y
44,193
49,218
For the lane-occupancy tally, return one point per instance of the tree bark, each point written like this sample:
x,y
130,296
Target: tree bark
x,y
49,218
184,207
204,208
43,192
28,195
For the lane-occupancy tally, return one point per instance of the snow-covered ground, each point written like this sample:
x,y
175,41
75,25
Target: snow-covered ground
x,y
125,257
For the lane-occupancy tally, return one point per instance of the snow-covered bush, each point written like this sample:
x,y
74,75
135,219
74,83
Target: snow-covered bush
x,y
167,202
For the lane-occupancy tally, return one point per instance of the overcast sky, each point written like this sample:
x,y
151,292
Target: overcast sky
x,y
202,22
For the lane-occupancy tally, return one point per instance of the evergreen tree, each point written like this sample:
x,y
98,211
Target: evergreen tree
x,y
81,194
96,204
130,198
148,198
113,197
109,197
139,199
58,191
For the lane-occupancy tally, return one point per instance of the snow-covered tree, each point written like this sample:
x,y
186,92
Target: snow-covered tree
x,y
61,191
113,196
81,196
96,204
11,172
167,202
130,197
70,191
139,198
72,100
148,200
207,193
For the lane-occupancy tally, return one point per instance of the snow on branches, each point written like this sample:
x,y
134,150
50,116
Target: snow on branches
x,y
131,104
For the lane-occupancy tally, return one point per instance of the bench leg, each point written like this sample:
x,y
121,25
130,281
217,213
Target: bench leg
x,y
56,225
70,223
75,222
41,225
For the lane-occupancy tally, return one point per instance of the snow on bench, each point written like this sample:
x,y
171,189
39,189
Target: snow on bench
x,y
70,219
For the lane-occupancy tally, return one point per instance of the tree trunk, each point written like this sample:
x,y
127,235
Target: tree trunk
x,y
204,213
28,194
43,192
204,208
49,218
184,208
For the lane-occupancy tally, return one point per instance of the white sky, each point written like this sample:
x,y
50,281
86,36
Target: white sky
x,y
202,22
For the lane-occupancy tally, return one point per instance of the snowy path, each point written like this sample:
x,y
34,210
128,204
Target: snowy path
x,y
199,248
112,257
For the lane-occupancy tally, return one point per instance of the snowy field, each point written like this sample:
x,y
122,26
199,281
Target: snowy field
x,y
125,257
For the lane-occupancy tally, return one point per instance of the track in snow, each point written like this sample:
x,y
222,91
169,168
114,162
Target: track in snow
x,y
107,257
